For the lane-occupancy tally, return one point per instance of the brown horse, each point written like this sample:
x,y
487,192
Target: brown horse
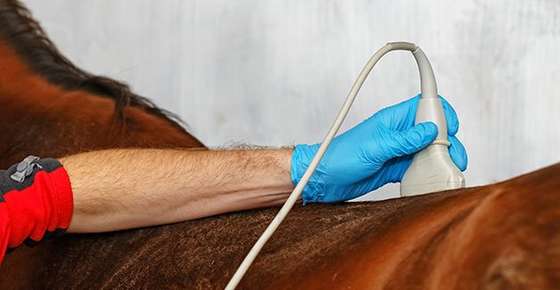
x,y
502,236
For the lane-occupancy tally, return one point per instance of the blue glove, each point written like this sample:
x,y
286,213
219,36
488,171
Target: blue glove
x,y
375,152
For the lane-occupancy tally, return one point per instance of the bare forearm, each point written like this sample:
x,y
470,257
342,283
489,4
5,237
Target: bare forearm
x,y
118,189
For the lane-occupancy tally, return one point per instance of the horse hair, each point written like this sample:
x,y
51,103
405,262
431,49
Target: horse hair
x,y
41,55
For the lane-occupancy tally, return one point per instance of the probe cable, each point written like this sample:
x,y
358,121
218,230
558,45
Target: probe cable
x,y
232,284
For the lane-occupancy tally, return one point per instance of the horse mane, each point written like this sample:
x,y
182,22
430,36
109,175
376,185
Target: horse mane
x,y
28,38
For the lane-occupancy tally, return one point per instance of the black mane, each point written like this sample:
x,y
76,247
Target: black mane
x,y
28,38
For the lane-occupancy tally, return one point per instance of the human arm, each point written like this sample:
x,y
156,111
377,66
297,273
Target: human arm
x,y
128,188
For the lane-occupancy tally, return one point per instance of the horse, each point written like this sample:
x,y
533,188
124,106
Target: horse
x,y
499,236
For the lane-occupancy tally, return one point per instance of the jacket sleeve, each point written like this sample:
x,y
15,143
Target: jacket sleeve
x,y
35,200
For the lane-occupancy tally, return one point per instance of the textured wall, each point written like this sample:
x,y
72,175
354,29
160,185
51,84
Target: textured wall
x,y
275,72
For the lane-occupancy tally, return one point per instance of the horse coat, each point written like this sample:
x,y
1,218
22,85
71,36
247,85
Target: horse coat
x,y
501,236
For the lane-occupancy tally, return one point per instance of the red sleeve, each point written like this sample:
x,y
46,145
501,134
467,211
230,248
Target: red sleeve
x,y
39,203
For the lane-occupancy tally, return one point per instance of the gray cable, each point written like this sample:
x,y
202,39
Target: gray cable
x,y
232,284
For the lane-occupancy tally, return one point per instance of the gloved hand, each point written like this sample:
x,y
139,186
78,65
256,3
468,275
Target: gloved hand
x,y
375,152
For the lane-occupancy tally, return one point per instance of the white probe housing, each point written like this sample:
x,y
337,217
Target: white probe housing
x,y
432,168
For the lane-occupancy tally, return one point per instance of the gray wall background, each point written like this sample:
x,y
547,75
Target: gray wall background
x,y
275,72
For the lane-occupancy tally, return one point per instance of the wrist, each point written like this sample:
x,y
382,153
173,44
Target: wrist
x,y
282,176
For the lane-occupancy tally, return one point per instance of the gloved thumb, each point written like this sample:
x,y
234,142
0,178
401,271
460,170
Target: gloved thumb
x,y
410,141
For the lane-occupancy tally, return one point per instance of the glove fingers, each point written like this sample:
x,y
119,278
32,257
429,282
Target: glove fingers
x,y
458,153
403,114
399,116
450,117
401,143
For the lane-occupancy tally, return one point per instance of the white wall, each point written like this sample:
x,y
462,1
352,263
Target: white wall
x,y
275,72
